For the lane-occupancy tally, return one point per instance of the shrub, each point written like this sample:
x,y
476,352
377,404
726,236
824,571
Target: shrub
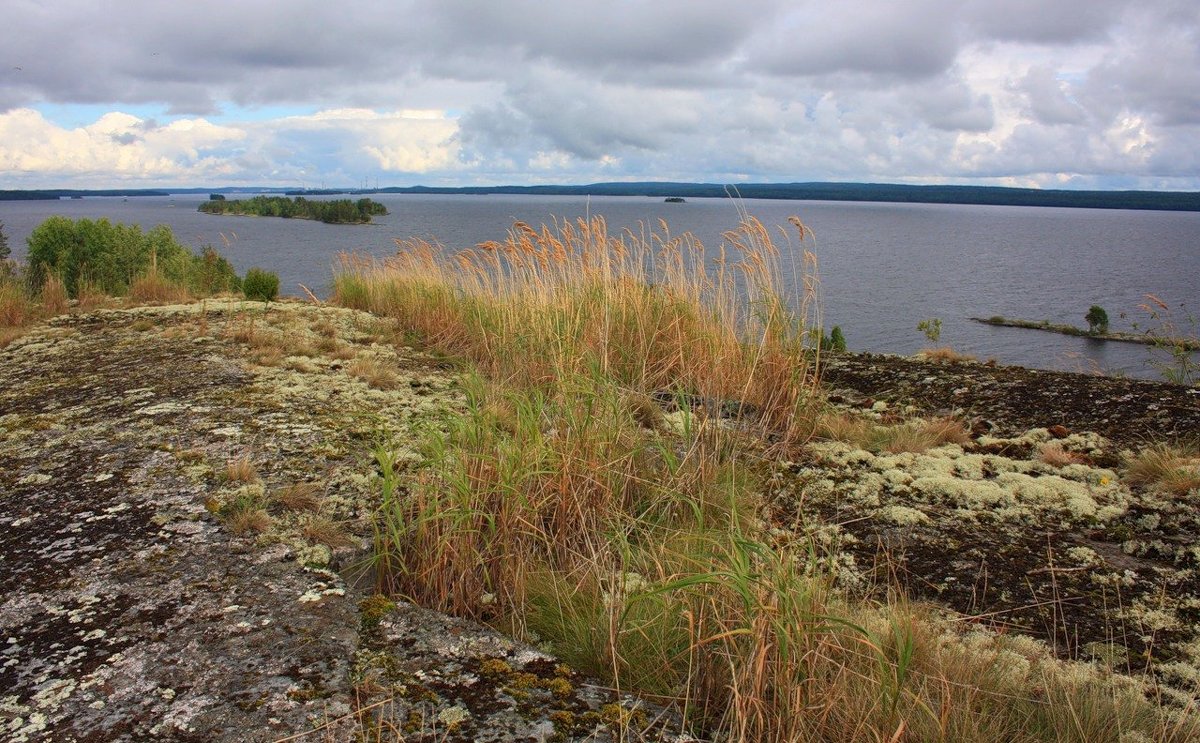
x,y
111,257
932,328
261,285
1097,319
214,274
837,340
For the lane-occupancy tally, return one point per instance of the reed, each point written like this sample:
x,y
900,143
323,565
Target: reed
x,y
649,311
600,492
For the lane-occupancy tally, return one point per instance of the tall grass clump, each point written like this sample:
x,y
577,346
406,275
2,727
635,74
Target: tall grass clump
x,y
600,493
648,311
16,307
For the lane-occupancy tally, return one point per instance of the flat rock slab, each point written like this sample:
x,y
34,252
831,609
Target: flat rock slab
x,y
129,611
1015,399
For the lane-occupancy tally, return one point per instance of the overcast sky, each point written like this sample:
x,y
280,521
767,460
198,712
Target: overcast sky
x,y
1052,93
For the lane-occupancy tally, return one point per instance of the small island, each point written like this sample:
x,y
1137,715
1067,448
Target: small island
x,y
674,200
339,211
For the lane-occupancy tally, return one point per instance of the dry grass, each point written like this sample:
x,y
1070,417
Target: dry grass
x,y
89,296
944,355
8,335
947,431
326,531
269,356
241,469
325,329
1172,468
649,310
53,296
153,287
373,373
247,520
16,309
1053,454
563,504
846,427
915,437
299,496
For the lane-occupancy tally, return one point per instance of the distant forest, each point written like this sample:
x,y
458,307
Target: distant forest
x,y
991,195
994,195
338,211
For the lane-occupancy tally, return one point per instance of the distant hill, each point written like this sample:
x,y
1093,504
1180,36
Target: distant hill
x,y
991,195
996,195
52,194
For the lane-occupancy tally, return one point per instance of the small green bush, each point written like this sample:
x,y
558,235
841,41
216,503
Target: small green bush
x,y
110,257
932,328
1097,319
214,274
261,285
837,339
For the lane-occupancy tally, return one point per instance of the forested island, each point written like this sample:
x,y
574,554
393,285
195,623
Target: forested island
x,y
339,211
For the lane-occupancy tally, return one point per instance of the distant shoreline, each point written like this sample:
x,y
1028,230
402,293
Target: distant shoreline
x,y
848,192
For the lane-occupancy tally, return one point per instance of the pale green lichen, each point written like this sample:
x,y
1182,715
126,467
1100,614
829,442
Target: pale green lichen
x,y
902,515
454,716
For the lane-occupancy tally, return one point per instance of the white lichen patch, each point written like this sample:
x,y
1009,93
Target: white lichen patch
x,y
988,486
452,717
902,515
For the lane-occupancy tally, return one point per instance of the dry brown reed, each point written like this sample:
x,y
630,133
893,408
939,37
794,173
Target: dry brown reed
x,y
649,310
153,287
241,469
945,355
54,296
565,502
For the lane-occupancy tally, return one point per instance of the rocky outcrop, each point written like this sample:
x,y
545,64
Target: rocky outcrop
x,y
160,578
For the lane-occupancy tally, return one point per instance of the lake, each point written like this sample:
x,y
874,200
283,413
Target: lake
x,y
883,266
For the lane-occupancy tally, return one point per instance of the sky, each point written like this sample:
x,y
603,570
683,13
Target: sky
x,y
1045,93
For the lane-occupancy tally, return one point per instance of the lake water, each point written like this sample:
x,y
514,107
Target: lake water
x,y
883,267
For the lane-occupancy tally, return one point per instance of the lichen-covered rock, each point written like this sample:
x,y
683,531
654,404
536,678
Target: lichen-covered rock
x,y
175,483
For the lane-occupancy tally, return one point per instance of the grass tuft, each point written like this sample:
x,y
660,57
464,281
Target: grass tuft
x,y
373,373
53,296
326,531
945,355
299,496
241,470
1169,467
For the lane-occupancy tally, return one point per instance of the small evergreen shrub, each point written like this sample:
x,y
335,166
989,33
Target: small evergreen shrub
x,y
261,285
